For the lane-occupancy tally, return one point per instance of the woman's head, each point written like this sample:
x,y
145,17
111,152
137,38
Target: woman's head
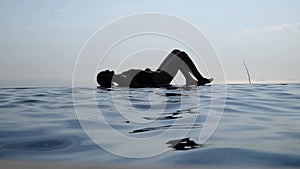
x,y
104,78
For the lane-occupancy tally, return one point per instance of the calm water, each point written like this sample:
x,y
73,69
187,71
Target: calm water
x,y
260,125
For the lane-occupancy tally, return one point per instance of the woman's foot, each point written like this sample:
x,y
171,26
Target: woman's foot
x,y
204,81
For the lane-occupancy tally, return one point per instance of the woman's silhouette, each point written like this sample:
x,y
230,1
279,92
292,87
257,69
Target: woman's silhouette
x,y
162,77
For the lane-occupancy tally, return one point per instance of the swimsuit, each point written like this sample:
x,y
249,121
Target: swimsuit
x,y
149,78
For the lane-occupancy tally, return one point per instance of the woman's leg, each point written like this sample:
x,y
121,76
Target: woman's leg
x,y
169,58
191,66
189,80
181,61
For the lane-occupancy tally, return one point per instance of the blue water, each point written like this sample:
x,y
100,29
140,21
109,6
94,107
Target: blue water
x,y
259,127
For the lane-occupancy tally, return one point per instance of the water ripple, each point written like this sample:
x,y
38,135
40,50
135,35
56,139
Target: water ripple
x,y
260,124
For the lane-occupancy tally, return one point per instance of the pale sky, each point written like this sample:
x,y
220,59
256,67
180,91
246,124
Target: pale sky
x,y
41,39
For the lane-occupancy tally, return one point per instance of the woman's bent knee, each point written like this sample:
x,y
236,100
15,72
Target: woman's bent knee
x,y
175,51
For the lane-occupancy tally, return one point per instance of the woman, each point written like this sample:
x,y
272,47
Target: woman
x,y
162,77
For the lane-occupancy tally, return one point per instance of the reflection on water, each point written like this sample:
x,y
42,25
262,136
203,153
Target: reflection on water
x,y
183,144
165,117
260,125
175,127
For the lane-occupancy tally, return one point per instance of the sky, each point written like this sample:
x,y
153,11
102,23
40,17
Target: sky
x,y
41,40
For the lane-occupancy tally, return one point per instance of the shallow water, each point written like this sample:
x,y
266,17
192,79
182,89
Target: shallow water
x,y
259,127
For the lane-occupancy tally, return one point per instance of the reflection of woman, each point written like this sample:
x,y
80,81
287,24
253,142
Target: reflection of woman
x,y
162,77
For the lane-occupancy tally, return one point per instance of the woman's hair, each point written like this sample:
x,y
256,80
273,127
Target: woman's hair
x,y
104,78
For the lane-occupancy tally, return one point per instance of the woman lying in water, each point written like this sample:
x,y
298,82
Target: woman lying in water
x,y
162,77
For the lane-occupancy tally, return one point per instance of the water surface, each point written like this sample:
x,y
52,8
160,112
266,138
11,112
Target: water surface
x,y
260,125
